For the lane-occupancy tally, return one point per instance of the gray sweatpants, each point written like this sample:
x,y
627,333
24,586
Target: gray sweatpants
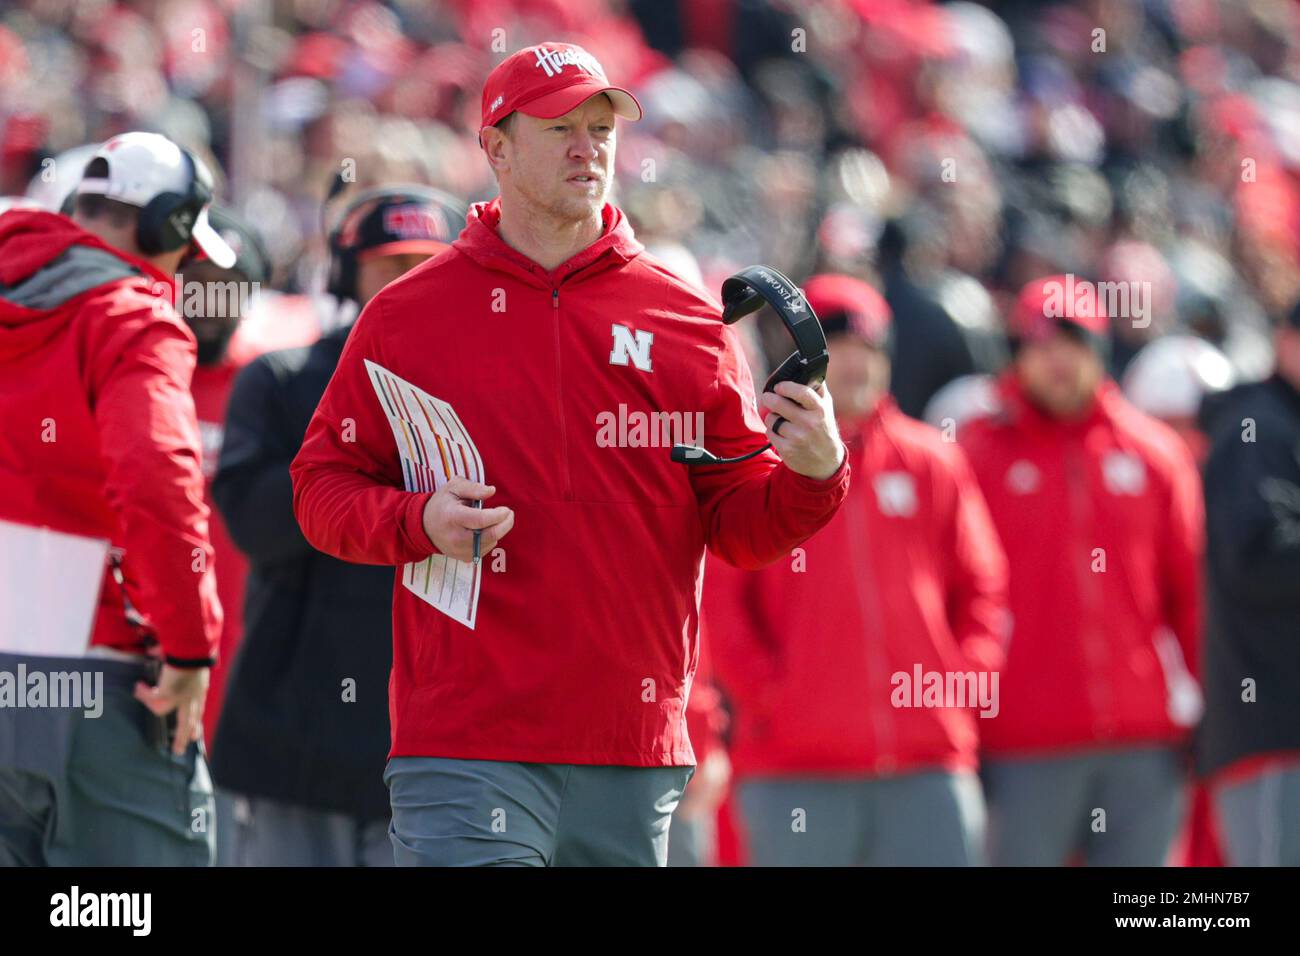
x,y
1116,807
99,791
931,818
270,833
1259,818
452,812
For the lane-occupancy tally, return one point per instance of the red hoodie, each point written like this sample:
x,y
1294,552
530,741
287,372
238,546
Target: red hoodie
x,y
908,574
1103,523
89,339
585,643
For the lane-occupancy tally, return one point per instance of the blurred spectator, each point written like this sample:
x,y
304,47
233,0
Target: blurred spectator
x,y
1099,509
928,348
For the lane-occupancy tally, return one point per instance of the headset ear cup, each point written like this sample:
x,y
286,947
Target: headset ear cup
x,y
157,230
784,372
343,274
739,299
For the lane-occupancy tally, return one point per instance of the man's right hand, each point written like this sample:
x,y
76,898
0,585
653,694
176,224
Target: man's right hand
x,y
450,519
183,690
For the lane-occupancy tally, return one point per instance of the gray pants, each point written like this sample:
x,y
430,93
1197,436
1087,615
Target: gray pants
x,y
1259,819
931,818
451,812
100,791
269,833
1115,807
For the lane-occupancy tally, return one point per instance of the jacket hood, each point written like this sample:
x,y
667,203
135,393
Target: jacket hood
x,y
46,260
481,241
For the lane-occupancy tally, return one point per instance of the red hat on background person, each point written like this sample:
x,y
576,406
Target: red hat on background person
x,y
1059,302
549,80
846,304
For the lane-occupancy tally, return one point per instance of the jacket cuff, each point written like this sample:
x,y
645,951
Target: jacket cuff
x,y
189,663
839,477
411,525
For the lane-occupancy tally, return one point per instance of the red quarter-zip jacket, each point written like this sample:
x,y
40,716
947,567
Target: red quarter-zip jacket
x,y
818,651
100,437
1103,523
585,642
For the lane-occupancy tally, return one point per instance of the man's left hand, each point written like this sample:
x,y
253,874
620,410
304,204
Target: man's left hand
x,y
808,441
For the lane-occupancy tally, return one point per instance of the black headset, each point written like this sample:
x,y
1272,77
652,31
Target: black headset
x,y
746,292
166,222
342,282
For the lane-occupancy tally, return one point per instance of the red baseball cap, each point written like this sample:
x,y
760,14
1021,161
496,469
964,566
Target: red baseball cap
x,y
548,80
846,304
1046,302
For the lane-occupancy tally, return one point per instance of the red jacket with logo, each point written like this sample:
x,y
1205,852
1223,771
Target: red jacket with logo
x,y
585,642
90,341
908,574
1103,523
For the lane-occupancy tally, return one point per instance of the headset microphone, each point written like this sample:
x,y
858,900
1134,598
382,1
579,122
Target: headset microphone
x,y
745,292
694,455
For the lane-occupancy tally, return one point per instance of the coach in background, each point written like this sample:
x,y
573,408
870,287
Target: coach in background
x,y
304,729
1249,744
91,346
1099,509
907,583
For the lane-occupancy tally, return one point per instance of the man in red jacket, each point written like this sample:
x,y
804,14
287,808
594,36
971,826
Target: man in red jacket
x,y
869,656
1099,509
538,699
101,448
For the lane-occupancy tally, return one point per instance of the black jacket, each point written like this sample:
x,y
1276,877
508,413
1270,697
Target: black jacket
x,y
305,717
1252,493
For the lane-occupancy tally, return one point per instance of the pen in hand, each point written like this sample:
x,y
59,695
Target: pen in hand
x,y
478,534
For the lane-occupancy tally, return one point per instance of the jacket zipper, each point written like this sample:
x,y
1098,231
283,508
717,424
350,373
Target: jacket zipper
x,y
559,395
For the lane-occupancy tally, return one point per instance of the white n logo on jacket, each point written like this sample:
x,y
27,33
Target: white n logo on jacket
x,y
626,347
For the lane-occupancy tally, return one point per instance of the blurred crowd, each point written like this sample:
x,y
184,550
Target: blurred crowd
x,y
944,154
948,152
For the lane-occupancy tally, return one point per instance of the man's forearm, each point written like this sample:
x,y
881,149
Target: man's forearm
x,y
764,517
351,517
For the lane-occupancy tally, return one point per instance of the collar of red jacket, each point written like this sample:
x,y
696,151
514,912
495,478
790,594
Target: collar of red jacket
x,y
481,241
1018,407
31,239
